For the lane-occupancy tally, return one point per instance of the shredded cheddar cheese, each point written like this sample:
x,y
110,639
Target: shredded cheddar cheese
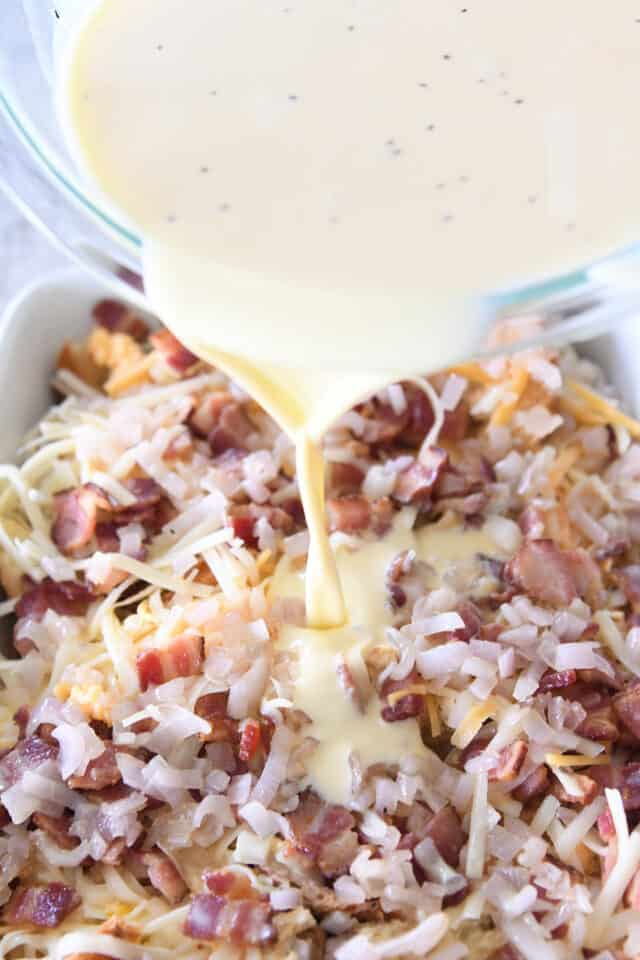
x,y
434,715
413,688
604,409
575,760
504,411
473,721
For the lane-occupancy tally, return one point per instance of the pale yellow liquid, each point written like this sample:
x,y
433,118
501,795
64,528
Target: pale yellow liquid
x,y
326,189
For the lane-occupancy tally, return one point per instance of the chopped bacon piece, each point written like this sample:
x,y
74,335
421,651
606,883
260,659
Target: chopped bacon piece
x,y
590,790
76,514
510,762
114,854
107,537
382,423
599,724
381,515
506,952
206,414
606,826
625,778
348,684
148,493
456,423
416,482
410,705
344,478
627,707
65,597
543,571
420,418
445,829
243,519
213,708
174,354
534,785
100,773
250,740
472,622
349,514
26,755
241,922
118,318
45,906
181,658
57,828
232,430
556,680
163,875
324,833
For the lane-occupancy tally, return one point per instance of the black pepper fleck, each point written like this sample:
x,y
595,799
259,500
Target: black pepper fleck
x,y
160,47
440,186
519,101
351,27
56,14
333,220
465,10
447,218
425,86
463,179
224,207
293,97
171,218
213,93
204,169
447,56
431,127
532,199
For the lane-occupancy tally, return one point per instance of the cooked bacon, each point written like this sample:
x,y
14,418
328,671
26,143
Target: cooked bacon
x,y
174,354
213,708
534,785
625,778
76,514
590,790
556,680
420,417
410,705
506,952
45,906
100,773
206,414
26,755
324,833
57,828
472,622
243,518
445,829
543,571
148,493
349,514
181,658
232,430
606,826
599,724
65,597
107,537
627,707
348,683
382,423
344,478
114,854
250,740
456,423
416,482
118,318
163,875
614,549
241,922
354,514
510,762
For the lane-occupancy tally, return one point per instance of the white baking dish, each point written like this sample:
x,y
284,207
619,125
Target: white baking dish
x,y
58,307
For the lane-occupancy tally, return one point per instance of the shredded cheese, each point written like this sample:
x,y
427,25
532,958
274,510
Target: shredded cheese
x,y
473,372
434,715
504,411
606,410
566,841
575,760
473,721
478,826
614,887
615,641
417,688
